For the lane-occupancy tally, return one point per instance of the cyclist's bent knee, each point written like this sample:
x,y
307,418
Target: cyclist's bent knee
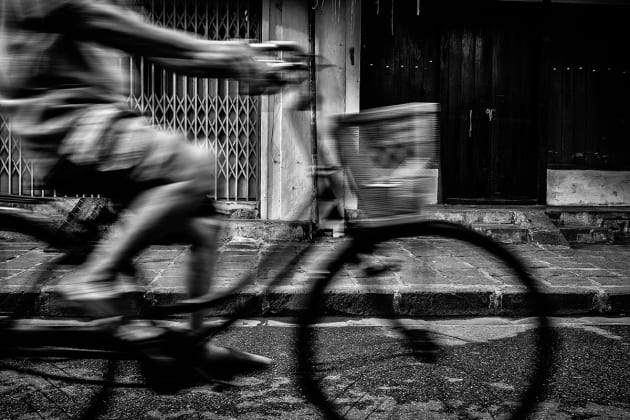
x,y
201,168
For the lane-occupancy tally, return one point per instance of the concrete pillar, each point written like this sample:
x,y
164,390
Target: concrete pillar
x,y
286,186
338,28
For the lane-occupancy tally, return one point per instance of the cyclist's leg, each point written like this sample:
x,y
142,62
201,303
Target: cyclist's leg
x,y
154,213
203,235
168,180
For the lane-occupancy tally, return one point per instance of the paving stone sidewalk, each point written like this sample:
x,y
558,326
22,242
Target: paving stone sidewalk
x,y
426,277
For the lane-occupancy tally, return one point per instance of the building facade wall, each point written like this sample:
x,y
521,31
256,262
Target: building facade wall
x,y
287,186
285,154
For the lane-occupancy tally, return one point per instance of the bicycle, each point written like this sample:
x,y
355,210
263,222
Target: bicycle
x,y
165,355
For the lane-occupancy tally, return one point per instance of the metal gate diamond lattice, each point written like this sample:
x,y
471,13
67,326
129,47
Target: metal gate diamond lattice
x,y
211,112
16,172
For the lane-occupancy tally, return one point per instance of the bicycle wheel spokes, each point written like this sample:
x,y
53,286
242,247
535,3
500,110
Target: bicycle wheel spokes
x,y
41,387
411,368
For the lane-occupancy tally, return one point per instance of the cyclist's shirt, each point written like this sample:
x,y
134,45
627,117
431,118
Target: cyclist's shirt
x,y
60,84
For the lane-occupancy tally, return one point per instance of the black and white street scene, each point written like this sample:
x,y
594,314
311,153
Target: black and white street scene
x,y
309,209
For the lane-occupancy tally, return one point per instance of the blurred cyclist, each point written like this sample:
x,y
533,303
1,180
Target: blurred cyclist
x,y
62,89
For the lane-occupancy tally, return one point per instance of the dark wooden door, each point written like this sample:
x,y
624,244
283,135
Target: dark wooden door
x,y
480,61
400,53
586,79
489,84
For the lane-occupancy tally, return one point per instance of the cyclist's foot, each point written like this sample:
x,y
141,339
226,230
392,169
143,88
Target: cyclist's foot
x,y
224,362
95,298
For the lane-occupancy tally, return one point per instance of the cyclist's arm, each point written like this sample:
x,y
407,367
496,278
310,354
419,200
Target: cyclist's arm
x,y
125,30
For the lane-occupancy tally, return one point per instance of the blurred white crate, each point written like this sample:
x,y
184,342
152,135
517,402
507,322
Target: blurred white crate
x,y
386,153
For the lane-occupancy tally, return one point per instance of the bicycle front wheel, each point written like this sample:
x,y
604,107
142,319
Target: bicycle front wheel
x,y
418,368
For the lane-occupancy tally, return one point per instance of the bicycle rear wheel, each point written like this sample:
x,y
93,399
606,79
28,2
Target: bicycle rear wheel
x,y
424,369
40,382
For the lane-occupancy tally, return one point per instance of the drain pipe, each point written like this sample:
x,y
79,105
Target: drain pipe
x,y
312,87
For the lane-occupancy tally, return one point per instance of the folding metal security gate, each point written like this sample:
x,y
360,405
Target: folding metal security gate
x,y
212,112
16,174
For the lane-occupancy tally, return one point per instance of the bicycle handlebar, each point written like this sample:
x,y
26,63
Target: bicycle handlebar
x,y
287,62
275,46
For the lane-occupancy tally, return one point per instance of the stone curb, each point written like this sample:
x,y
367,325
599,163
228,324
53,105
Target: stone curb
x,y
434,301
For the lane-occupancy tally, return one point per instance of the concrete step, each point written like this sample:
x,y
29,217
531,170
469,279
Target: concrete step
x,y
512,224
591,216
503,233
70,213
261,230
469,215
592,224
267,230
516,224
586,234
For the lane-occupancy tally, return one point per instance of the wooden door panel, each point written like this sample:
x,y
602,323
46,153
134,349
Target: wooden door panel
x,y
587,80
513,134
474,60
399,63
466,93
491,79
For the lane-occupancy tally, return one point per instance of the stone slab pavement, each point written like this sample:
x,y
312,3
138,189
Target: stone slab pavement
x,y
423,277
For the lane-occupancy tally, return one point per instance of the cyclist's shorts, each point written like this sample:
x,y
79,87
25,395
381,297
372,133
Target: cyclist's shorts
x,y
124,159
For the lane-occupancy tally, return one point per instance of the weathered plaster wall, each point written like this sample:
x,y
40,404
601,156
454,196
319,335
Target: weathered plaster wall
x,y
338,33
588,188
285,133
285,137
